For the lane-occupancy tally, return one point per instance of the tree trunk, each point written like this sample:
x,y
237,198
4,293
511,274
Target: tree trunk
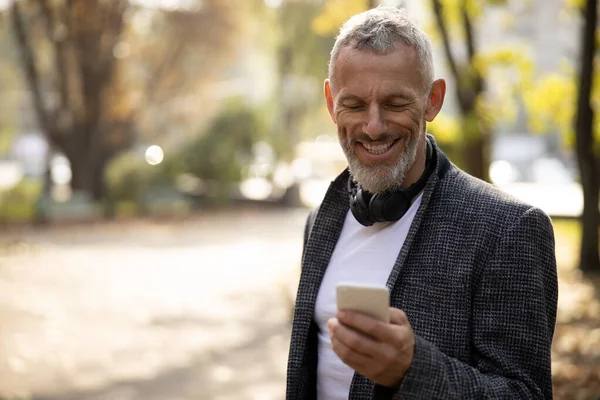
x,y
83,56
588,259
40,217
99,189
88,176
588,164
476,133
476,150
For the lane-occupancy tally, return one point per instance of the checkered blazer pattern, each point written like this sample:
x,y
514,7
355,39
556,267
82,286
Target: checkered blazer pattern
x,y
477,279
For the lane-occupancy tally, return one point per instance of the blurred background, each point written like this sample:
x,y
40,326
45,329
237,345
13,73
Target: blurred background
x,y
158,159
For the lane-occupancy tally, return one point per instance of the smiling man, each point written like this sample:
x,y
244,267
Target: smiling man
x,y
471,271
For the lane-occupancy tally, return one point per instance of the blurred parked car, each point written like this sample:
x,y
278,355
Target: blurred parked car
x,y
522,166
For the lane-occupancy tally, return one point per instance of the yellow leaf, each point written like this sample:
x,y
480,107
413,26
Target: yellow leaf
x,y
551,104
575,3
335,13
445,128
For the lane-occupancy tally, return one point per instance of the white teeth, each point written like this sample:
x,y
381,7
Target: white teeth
x,y
379,148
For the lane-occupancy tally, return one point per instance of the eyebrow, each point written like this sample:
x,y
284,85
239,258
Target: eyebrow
x,y
400,96
347,97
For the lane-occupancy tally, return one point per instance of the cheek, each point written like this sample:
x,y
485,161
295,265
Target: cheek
x,y
411,119
348,123
415,115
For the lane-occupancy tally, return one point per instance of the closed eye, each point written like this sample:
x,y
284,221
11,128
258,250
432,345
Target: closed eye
x,y
353,107
396,107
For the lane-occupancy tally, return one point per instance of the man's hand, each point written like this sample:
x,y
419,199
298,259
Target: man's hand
x,y
380,352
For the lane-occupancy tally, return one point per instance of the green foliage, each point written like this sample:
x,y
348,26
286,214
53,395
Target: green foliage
x,y
302,56
136,186
509,64
10,85
551,103
6,139
218,156
226,145
510,57
302,51
127,176
26,191
122,67
19,204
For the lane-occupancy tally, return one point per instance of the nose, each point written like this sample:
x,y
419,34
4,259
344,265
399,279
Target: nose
x,y
375,125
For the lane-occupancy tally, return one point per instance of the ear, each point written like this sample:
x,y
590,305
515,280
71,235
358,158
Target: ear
x,y
435,99
329,100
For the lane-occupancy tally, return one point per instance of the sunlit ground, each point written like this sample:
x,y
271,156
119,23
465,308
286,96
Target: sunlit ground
x,y
149,311
195,310
576,350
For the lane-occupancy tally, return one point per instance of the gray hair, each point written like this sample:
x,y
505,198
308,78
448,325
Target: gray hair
x,y
379,30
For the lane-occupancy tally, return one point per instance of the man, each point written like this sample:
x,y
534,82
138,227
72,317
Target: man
x,y
471,271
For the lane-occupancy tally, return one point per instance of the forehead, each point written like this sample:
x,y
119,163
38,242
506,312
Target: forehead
x,y
364,70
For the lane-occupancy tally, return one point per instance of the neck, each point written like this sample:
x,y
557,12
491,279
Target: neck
x,y
418,168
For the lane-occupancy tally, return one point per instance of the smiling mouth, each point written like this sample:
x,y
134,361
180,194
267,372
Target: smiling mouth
x,y
377,149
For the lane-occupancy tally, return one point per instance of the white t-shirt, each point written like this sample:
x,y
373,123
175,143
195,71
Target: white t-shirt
x,y
362,254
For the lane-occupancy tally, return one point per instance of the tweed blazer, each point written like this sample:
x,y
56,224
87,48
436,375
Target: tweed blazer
x,y
477,279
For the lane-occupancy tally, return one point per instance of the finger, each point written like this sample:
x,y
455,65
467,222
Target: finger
x,y
398,317
332,325
367,325
357,341
350,357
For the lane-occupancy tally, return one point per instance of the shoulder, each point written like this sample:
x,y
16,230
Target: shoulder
x,y
310,220
464,197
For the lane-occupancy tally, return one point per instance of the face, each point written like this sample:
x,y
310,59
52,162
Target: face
x,y
380,106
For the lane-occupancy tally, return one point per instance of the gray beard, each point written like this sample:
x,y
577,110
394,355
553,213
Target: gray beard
x,y
381,178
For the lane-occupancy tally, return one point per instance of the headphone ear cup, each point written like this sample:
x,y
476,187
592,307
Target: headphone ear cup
x,y
389,207
375,208
360,209
396,206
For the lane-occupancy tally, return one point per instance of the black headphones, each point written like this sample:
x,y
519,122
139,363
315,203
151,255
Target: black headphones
x,y
369,208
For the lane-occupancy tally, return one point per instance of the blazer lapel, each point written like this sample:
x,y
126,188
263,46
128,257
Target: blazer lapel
x,y
360,384
441,166
322,240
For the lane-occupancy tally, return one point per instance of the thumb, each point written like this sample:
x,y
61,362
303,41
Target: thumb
x,y
398,317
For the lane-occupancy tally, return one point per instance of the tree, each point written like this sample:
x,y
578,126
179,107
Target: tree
x,y
565,101
220,158
175,55
82,35
91,74
9,88
586,144
470,85
302,57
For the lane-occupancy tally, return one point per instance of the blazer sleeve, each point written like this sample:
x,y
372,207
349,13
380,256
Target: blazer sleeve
x,y
310,220
514,315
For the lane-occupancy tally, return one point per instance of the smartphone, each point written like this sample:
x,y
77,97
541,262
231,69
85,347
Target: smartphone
x,y
372,300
